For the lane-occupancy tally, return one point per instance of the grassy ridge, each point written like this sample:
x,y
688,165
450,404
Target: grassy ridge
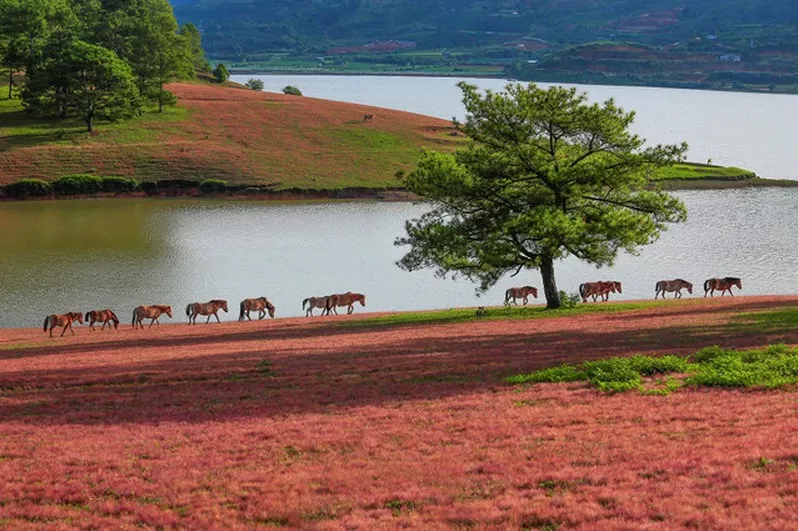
x,y
248,138
243,137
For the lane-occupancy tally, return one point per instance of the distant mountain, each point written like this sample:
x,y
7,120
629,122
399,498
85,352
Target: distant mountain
x,y
251,27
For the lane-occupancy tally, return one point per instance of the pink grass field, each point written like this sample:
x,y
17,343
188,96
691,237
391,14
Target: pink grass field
x,y
325,423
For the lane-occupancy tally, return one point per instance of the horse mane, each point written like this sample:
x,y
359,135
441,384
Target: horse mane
x,y
731,279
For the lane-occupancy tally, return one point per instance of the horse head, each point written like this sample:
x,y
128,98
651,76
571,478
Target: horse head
x,y
269,307
168,311
77,316
362,299
617,286
689,287
223,305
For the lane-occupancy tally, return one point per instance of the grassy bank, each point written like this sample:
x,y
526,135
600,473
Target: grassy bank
x,y
264,145
242,137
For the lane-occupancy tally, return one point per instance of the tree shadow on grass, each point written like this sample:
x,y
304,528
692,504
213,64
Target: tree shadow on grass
x,y
39,131
352,369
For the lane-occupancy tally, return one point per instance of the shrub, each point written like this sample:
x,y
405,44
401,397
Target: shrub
x,y
568,301
119,184
613,375
212,186
29,188
292,90
563,373
149,187
78,184
255,84
221,73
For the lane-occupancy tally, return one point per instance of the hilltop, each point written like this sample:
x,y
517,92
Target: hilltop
x,y
241,136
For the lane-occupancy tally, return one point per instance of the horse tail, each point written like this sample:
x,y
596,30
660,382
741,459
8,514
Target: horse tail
x,y
87,316
241,312
656,287
706,284
46,322
506,295
304,302
188,309
582,289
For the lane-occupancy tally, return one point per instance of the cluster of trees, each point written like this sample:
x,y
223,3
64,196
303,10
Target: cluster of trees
x,y
95,59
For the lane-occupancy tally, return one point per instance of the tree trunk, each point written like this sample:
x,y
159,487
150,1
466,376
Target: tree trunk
x,y
89,123
10,82
549,283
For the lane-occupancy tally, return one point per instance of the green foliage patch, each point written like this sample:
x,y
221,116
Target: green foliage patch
x,y
81,184
212,186
772,367
28,188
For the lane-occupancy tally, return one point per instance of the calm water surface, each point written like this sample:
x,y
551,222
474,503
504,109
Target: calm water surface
x,y
754,131
61,256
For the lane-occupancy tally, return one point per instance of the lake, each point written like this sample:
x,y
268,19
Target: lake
x,y
78,255
753,131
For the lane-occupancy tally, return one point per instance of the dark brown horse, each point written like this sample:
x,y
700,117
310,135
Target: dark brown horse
x,y
368,117
602,289
210,308
346,299
261,304
520,293
106,317
150,312
723,284
65,320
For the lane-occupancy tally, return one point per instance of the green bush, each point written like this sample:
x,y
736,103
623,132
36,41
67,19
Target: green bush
x,y
292,90
212,186
119,184
569,301
613,375
29,188
221,73
78,185
255,84
563,373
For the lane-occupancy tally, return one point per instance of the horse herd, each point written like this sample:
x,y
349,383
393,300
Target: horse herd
x,y
602,289
262,305
329,303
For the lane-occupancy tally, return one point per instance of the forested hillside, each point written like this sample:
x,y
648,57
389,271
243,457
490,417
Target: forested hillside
x,y
737,44
242,27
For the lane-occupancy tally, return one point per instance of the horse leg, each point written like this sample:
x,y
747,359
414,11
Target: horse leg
x,y
526,299
64,330
216,314
151,323
71,329
350,310
209,319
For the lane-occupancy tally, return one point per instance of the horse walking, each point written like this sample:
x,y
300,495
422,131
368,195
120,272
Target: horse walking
x,y
723,284
261,304
674,286
211,309
520,293
347,299
106,317
317,302
602,289
65,320
149,312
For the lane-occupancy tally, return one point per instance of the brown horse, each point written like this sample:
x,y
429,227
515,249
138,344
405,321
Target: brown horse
x,y
210,308
317,302
601,289
675,286
261,304
368,117
724,284
150,312
65,320
347,299
106,317
520,293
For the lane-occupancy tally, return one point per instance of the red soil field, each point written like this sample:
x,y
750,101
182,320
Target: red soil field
x,y
332,423
242,136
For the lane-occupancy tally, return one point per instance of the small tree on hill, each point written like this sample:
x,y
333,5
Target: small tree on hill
x,y
547,175
255,84
292,90
100,85
221,73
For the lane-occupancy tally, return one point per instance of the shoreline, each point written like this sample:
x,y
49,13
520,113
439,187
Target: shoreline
x,y
385,194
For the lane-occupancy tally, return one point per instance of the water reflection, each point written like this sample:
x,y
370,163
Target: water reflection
x,y
65,255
